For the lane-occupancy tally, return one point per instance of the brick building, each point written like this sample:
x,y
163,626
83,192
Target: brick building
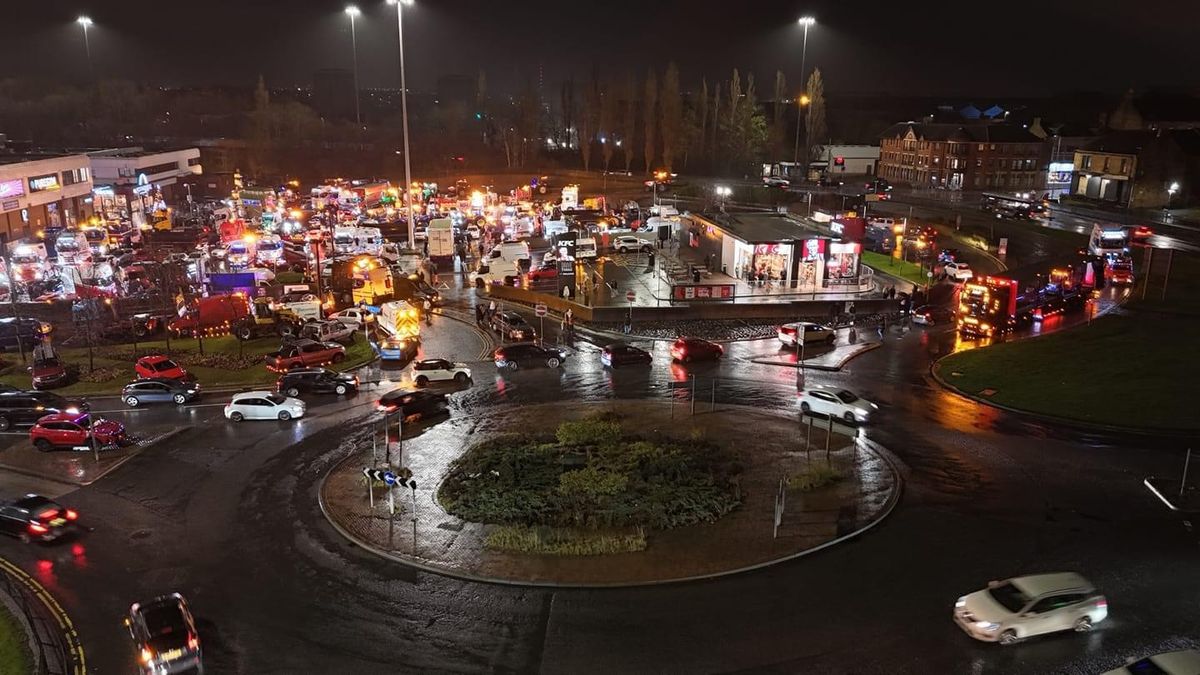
x,y
964,156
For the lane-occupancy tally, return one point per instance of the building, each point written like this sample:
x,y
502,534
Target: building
x,y
1136,169
132,183
848,160
967,156
39,191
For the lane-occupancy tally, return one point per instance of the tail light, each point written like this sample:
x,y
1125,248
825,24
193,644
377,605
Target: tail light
x,y
71,514
193,642
147,655
38,528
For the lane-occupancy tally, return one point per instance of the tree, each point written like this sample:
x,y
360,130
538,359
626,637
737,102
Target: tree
x,y
779,107
607,127
649,118
567,108
743,127
589,120
702,138
671,115
814,121
629,119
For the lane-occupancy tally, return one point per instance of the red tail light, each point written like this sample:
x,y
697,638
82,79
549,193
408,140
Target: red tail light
x,y
193,642
38,528
71,514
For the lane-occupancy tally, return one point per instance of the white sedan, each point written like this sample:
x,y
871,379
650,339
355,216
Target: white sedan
x,y
263,405
836,403
439,370
1008,611
628,243
813,333
958,271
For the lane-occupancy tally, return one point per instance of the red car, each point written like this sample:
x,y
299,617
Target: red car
x,y
159,366
688,349
48,373
544,272
66,430
1140,233
305,354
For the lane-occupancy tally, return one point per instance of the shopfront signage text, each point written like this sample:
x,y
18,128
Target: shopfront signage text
x,y
42,183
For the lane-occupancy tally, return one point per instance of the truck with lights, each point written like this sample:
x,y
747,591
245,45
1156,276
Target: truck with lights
x,y
992,305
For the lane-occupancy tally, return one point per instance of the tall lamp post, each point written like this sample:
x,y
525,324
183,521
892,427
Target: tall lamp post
x,y
85,23
353,12
1171,190
805,21
412,224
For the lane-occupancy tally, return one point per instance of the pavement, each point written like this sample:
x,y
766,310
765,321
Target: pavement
x,y
423,534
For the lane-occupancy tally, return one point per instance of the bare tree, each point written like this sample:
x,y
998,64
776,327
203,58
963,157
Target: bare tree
x,y
589,120
671,115
608,115
650,118
702,142
629,119
814,120
779,109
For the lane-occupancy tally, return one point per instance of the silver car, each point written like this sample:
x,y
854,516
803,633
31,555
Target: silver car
x,y
1021,607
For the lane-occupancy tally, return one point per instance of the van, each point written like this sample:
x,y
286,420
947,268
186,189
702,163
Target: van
x,y
585,248
511,251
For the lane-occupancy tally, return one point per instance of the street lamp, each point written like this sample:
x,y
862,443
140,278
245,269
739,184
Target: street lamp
x,y
805,21
1171,190
353,12
86,22
412,225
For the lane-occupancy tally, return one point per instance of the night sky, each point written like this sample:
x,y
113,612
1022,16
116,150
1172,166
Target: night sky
x,y
1013,48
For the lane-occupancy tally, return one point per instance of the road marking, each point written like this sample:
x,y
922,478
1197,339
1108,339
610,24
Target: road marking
x,y
60,615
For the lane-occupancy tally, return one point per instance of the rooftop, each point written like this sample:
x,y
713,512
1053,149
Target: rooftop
x,y
21,158
979,132
763,227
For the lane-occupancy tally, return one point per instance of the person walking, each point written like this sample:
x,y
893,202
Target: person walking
x,y
491,312
428,306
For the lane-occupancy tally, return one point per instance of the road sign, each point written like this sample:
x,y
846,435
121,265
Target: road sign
x,y
540,309
630,296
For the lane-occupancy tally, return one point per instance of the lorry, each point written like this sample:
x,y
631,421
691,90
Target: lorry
x,y
266,317
399,319
1110,240
362,279
993,305
355,240
1120,270
441,243
211,315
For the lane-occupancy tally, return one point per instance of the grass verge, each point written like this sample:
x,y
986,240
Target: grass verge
x,y
14,648
898,268
563,541
813,477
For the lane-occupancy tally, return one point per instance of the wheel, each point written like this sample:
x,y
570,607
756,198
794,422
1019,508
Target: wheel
x,y
1084,624
1008,637
236,416
284,415
292,392
623,249
805,408
422,381
512,365
339,357
4,423
340,390
285,330
131,401
461,378
43,444
849,417
179,399
553,362
243,333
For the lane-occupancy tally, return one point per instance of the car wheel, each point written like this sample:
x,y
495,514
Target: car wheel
x,y
292,392
284,415
131,401
553,362
340,390
512,365
4,424
461,378
236,416
623,250
805,408
1009,637
422,381
339,357
1084,624
179,399
849,417
43,444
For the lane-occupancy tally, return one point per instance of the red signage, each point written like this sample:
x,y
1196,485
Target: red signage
x,y
702,292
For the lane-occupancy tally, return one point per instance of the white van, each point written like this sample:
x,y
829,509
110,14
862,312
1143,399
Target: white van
x,y
510,251
494,271
553,227
585,247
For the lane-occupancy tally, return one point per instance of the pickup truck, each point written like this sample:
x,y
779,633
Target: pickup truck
x,y
328,331
305,354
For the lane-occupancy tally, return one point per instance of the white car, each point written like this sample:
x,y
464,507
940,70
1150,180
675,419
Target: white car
x,y
628,243
353,317
439,370
838,403
1185,662
776,181
263,405
813,333
958,271
1012,610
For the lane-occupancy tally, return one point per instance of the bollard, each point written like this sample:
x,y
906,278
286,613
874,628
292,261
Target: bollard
x,y
693,394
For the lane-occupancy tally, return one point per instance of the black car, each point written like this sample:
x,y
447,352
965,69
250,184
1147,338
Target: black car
x,y
933,315
412,403
512,326
621,354
159,390
528,354
37,518
23,408
164,635
20,332
316,381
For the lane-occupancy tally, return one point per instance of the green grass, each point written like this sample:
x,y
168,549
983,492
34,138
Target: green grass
x,y
898,268
814,477
14,649
1120,370
227,362
563,541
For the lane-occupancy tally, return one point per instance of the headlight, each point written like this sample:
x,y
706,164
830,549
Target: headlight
x,y
960,603
986,626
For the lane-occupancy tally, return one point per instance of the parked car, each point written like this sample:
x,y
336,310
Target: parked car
x,y
398,349
164,635
37,518
620,354
544,272
263,405
776,181
627,243
353,317
958,271
328,331
524,354
1141,233
66,430
316,381
512,326
412,403
1183,662
159,390
933,315
48,373
439,370
1021,607
814,333
305,354
159,366
23,408
688,349
839,403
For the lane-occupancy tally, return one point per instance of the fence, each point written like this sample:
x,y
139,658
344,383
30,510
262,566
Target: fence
x,y
55,644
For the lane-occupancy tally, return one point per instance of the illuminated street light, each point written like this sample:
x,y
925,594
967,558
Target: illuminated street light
x,y
353,12
1171,190
805,21
85,23
412,225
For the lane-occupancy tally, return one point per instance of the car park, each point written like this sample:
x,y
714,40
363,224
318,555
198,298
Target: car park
x,y
620,354
66,430
627,243
1021,607
263,405
688,349
159,366
164,636
316,381
426,371
933,315
840,403
37,518
159,390
527,354
412,403
814,333
512,326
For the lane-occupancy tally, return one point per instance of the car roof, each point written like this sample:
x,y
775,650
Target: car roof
x,y
32,501
257,393
1036,585
155,358
160,380
62,417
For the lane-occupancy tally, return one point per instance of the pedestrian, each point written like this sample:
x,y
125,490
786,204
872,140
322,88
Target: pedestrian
x,y
428,306
478,315
628,322
491,312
